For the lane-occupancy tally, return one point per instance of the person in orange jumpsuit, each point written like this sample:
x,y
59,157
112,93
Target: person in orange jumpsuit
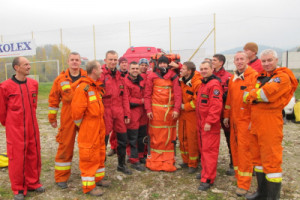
x,y
190,82
208,110
87,113
162,103
274,89
61,91
243,79
251,50
18,103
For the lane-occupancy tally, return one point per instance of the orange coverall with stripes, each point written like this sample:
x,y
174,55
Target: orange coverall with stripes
x,y
239,114
87,113
61,91
187,130
268,101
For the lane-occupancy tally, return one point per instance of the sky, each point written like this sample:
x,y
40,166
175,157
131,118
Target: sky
x,y
273,23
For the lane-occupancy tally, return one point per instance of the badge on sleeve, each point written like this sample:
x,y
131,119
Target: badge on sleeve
x,y
216,92
277,80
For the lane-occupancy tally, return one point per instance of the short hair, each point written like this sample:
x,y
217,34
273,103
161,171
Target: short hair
x,y
242,52
91,65
220,57
15,62
269,51
111,52
190,66
74,53
133,63
207,62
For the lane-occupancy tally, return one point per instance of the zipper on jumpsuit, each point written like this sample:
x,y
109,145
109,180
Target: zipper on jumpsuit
x,y
24,136
37,164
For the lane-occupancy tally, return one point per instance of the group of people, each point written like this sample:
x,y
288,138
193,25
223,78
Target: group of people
x,y
138,109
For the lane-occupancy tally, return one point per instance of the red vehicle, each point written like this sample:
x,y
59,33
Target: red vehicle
x,y
136,53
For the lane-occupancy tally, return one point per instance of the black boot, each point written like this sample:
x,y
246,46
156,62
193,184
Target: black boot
x,y
273,190
261,193
132,140
121,151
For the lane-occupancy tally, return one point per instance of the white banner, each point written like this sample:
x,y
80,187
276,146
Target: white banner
x,y
15,49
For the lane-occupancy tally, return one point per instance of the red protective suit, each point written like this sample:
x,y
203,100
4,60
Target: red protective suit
x,y
187,130
208,109
87,113
136,132
116,105
61,91
268,100
239,115
18,102
225,76
256,64
162,97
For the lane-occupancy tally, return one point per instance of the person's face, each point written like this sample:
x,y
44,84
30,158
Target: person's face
x,y
240,61
74,62
24,67
124,66
249,53
216,63
98,70
205,70
111,60
162,64
269,62
185,72
134,70
144,67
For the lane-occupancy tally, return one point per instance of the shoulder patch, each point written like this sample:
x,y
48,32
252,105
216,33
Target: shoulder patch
x,y
86,88
216,92
277,80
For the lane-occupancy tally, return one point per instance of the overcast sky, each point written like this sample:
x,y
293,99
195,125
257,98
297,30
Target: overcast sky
x,y
268,22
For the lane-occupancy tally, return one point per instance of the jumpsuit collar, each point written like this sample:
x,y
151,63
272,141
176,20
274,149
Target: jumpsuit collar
x,y
17,81
210,78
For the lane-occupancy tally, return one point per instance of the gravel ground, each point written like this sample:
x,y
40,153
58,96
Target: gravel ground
x,y
148,184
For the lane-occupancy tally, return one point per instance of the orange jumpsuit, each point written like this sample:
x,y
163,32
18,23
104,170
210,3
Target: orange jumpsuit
x,y
162,97
87,113
61,91
239,114
266,120
187,130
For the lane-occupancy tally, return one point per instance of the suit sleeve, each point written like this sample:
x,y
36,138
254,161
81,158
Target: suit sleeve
x,y
79,104
148,94
177,95
3,106
190,106
54,100
228,101
126,102
216,104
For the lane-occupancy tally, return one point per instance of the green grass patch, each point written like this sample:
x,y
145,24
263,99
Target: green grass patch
x,y
44,90
5,193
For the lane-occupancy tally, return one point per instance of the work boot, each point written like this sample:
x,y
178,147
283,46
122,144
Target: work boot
x,y
183,165
240,192
95,192
138,166
261,192
40,189
104,183
230,171
273,190
62,185
111,152
122,167
204,186
198,176
192,170
19,197
142,160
